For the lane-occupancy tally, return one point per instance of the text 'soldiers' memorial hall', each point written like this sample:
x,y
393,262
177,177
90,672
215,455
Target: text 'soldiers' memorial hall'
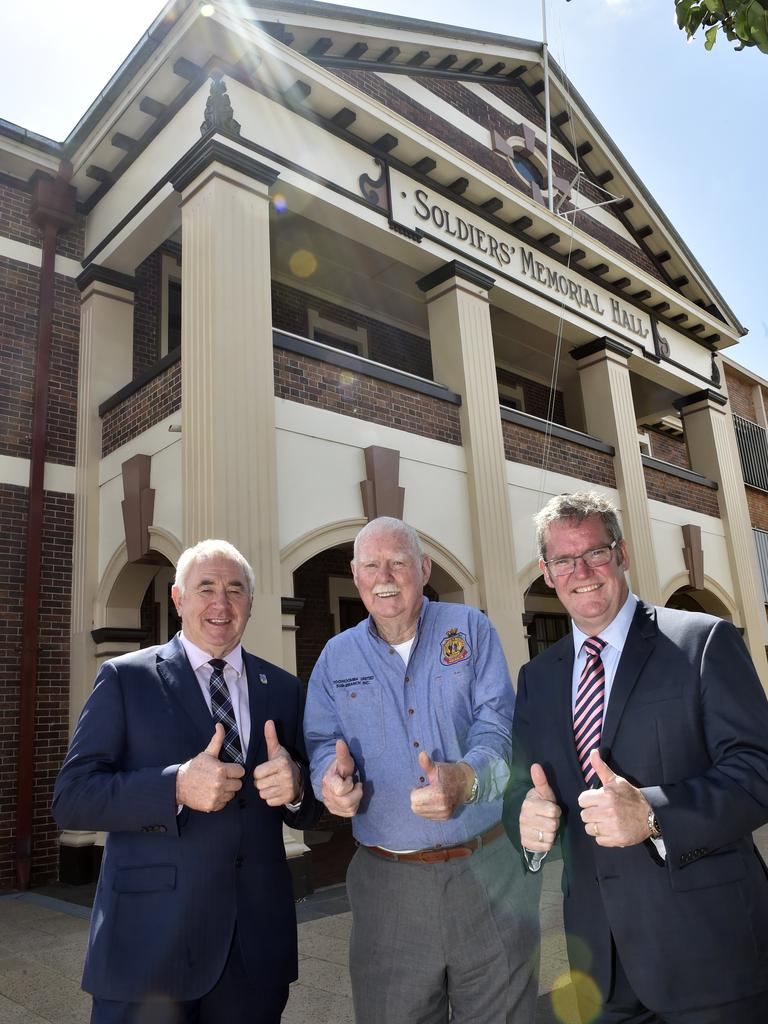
x,y
297,267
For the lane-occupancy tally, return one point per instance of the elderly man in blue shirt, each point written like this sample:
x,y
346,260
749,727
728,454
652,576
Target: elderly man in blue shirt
x,y
408,726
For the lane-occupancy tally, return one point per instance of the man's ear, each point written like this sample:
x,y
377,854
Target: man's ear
x,y
426,569
176,598
545,573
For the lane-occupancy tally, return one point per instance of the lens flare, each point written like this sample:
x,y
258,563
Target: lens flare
x,y
576,998
302,263
279,202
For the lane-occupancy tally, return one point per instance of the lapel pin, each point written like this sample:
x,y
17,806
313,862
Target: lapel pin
x,y
263,679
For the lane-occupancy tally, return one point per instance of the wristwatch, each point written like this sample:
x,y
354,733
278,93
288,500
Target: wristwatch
x,y
654,832
473,792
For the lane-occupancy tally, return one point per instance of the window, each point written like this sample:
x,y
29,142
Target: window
x,y
511,397
752,441
527,170
170,304
341,336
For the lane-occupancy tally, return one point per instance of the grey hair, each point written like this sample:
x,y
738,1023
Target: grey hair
x,y
576,507
211,549
388,524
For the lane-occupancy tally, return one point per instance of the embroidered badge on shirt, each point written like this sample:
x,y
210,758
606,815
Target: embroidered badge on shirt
x,y
454,647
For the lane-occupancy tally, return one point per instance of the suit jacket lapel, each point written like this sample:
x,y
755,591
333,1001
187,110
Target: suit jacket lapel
x,y
563,700
640,642
181,683
258,694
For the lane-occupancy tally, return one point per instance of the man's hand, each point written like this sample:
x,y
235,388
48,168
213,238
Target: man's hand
x,y
540,814
341,794
277,779
448,786
205,783
616,814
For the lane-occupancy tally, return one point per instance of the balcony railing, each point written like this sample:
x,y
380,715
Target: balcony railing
x,y
761,543
752,440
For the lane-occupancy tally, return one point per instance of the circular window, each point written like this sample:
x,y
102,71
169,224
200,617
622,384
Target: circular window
x,y
528,170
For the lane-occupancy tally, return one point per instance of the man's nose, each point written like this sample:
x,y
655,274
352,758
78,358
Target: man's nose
x,y
581,568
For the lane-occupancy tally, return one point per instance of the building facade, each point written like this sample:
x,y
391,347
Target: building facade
x,y
300,268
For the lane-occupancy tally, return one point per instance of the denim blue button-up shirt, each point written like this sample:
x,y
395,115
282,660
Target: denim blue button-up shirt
x,y
454,700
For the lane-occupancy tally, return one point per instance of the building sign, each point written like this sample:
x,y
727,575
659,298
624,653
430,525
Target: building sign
x,y
420,209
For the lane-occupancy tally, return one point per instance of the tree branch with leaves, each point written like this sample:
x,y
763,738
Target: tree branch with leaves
x,y
744,22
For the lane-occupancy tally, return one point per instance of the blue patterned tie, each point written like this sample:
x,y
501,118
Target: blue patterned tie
x,y
221,707
588,710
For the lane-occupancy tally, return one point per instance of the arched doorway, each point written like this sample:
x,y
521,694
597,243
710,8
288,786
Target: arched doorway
x,y
546,620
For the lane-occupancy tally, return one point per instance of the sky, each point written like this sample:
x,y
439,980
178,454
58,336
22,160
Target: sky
x,y
690,123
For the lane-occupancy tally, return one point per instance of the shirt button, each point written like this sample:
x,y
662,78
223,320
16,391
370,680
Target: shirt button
x,y
411,711
407,679
353,695
415,743
422,779
391,651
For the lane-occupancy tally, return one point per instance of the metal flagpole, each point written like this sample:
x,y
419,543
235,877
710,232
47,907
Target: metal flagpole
x,y
547,125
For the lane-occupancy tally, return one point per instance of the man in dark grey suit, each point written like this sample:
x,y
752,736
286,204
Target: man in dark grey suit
x,y
645,736
191,756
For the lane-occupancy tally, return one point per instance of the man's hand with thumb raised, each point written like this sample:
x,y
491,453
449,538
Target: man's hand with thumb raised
x,y
446,785
278,779
341,794
616,814
539,814
205,783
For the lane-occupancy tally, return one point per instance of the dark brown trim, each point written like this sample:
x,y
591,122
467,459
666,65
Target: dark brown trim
x,y
678,471
211,150
95,272
601,345
451,270
524,419
118,635
706,394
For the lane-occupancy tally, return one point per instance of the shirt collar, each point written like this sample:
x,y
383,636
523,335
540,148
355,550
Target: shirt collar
x,y
374,632
198,657
615,633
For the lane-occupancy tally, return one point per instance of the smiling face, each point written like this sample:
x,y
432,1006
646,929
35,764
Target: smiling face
x,y
592,597
215,605
390,578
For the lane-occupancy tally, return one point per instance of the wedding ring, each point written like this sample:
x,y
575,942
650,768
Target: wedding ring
x,y
541,836
597,829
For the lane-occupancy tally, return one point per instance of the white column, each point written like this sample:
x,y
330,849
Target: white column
x,y
229,472
463,359
610,416
714,453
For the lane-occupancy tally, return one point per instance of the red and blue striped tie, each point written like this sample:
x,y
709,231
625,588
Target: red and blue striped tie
x,y
588,710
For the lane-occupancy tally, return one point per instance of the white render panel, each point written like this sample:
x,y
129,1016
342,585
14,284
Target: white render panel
x,y
666,523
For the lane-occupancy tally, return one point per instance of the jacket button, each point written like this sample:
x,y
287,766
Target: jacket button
x,y
242,802
239,862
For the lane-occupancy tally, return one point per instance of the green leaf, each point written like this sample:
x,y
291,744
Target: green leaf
x,y
711,35
715,6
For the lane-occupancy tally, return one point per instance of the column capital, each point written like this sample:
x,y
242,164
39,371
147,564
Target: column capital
x,y
211,149
455,269
94,273
601,345
699,400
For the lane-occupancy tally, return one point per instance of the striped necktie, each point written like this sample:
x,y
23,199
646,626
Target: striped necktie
x,y
588,710
221,708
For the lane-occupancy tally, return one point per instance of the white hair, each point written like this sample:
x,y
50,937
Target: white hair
x,y
211,549
388,524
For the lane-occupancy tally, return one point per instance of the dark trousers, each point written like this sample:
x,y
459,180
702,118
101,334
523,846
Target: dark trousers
x,y
623,1007
234,999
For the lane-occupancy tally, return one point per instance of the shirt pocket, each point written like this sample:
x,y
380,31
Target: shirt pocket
x,y
361,710
453,698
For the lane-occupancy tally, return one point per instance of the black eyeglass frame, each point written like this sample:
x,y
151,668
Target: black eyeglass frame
x,y
573,559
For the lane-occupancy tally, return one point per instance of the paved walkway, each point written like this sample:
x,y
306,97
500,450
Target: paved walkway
x,y
42,940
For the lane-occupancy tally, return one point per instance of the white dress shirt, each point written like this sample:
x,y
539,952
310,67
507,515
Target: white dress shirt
x,y
234,677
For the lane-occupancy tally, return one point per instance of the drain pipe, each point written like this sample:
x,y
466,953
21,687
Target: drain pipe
x,y
52,211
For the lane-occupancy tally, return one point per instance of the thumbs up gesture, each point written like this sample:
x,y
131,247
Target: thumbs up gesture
x,y
277,779
539,814
447,785
616,814
205,783
341,794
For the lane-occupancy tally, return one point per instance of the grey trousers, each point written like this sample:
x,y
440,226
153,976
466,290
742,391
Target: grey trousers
x,y
426,937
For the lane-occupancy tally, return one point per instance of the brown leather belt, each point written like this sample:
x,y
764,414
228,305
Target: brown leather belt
x,y
440,854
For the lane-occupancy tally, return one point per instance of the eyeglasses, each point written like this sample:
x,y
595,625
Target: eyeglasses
x,y
597,556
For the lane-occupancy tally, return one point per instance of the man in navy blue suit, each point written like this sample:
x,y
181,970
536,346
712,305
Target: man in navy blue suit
x,y
644,734
190,756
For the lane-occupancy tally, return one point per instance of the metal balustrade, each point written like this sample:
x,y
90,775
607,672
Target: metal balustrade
x,y
752,440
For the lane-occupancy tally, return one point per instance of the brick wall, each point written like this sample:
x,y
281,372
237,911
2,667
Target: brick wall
x,y
669,449
535,396
52,720
683,493
521,444
311,382
386,344
740,395
15,199
146,313
757,501
141,410
18,341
